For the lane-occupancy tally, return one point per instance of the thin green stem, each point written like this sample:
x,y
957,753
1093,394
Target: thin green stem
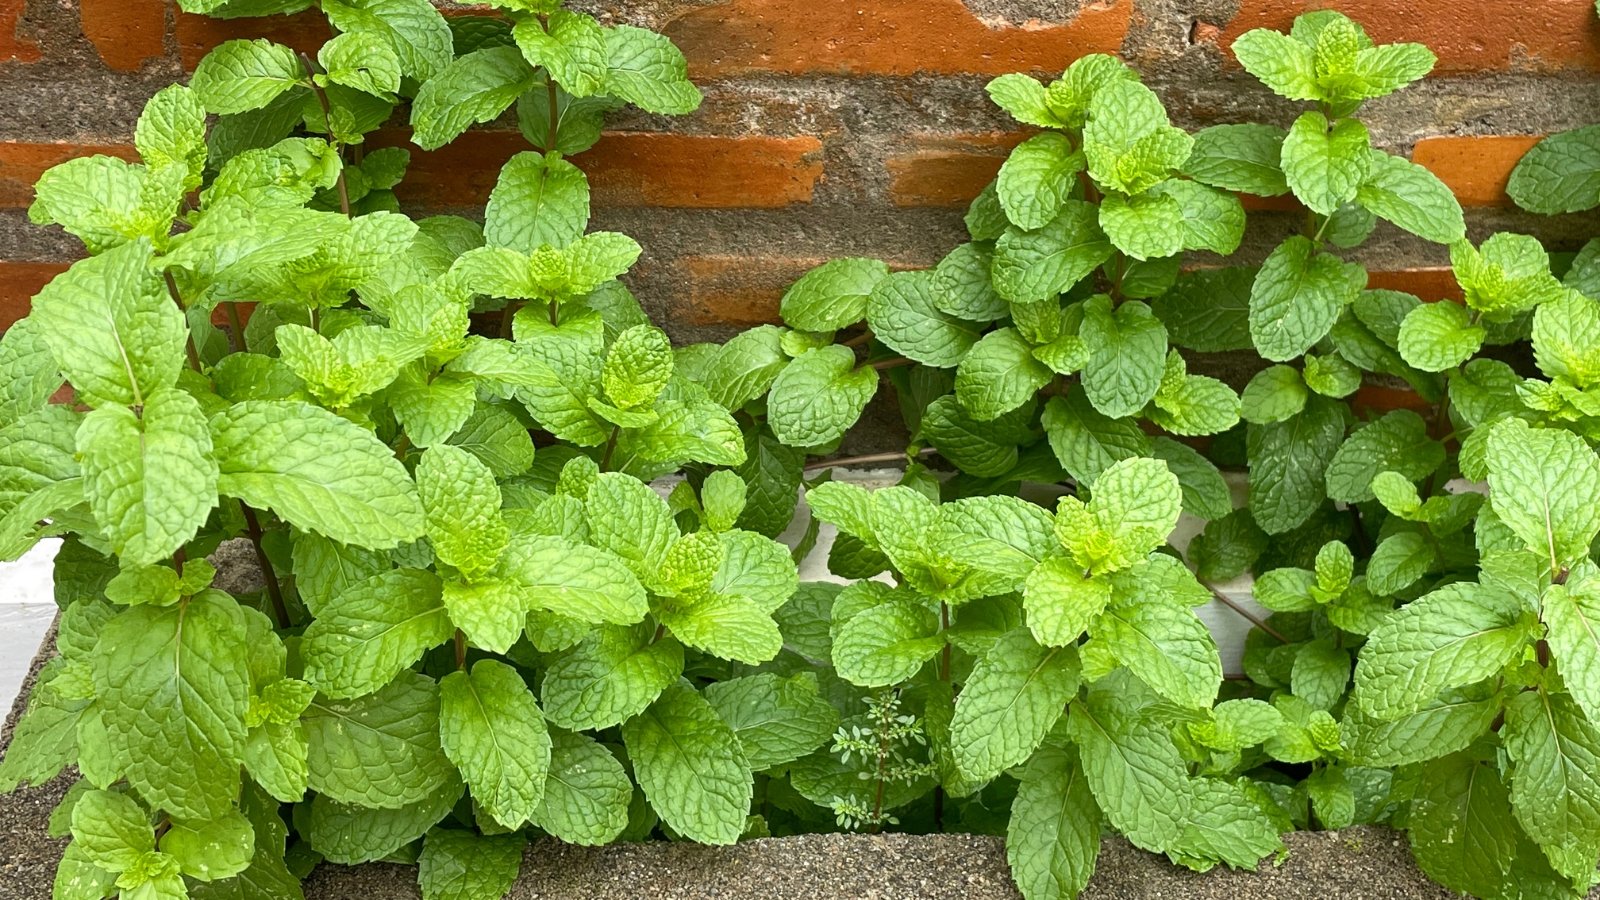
x,y
274,590
611,448
1253,619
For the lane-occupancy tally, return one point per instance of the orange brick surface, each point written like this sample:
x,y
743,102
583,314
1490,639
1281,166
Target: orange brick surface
x,y
21,164
126,33
885,37
1538,35
19,281
1475,168
631,169
14,48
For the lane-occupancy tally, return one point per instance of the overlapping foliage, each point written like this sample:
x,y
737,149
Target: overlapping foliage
x,y
480,623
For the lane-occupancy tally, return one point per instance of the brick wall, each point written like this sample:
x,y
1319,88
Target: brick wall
x,y
836,127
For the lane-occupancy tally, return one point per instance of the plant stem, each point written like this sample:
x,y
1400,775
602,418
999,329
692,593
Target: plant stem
x,y
859,340
327,124
611,448
508,317
550,88
461,649
1247,614
944,655
188,339
893,362
864,459
235,326
274,590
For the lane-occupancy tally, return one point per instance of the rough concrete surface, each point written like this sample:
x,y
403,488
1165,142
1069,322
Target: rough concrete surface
x,y
1354,864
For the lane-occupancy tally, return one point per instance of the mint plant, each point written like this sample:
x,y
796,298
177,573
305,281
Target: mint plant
x,y
450,624
479,622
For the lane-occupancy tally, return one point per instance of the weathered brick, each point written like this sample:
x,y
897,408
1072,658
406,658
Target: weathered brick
x,y
631,169
21,164
1475,168
19,281
735,290
1428,283
13,47
197,35
1549,35
126,33
886,37
947,170
1378,398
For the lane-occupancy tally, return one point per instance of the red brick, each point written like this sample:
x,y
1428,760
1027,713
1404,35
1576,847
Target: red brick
x,y
947,170
126,33
631,169
19,281
1377,398
21,164
1428,283
198,35
736,289
14,48
885,37
1545,35
1475,168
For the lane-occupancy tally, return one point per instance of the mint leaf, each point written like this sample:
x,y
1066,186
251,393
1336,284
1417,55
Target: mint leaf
x,y
537,200
904,315
1438,728
461,865
491,729
1053,835
1167,647
1038,178
886,643
239,76
1128,141
1560,174
1282,63
1326,163
1227,825
818,396
461,504
586,793
1410,196
373,630
1555,788
571,47
1137,777
1572,615
1244,158
173,687
777,720
1146,226
1397,442
1013,698
645,69
1298,295
1288,464
574,580
381,750
998,375
414,28
1545,487
1025,99
1087,442
691,768
316,470
1463,834
832,295
1128,350
1455,636
111,830
473,88
1439,336
1040,264
114,331
149,477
